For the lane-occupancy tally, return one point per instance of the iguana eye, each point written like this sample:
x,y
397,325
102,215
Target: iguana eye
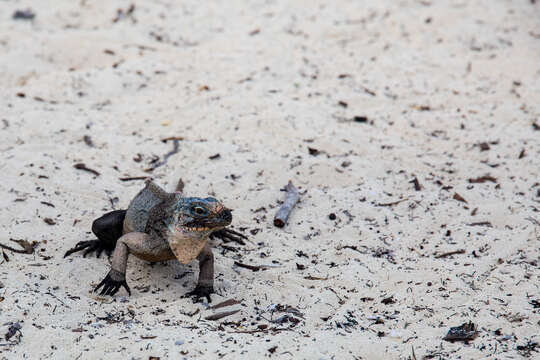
x,y
199,210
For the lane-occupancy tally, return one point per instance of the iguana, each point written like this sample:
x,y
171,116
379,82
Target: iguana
x,y
160,226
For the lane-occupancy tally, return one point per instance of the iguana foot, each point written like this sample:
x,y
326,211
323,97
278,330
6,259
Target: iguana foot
x,y
226,235
112,283
199,292
90,246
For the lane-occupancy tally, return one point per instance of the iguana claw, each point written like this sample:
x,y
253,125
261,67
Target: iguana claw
x,y
226,235
199,292
90,246
112,283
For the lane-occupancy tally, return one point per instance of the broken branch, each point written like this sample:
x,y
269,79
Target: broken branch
x,y
28,248
393,202
82,166
133,178
225,303
221,315
285,210
450,253
246,266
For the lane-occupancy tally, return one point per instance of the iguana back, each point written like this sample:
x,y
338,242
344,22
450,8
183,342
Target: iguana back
x,y
139,208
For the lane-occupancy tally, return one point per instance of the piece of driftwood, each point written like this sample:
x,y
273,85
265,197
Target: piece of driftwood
x,y
393,202
246,266
284,211
256,267
221,315
131,178
225,303
450,253
82,166
28,247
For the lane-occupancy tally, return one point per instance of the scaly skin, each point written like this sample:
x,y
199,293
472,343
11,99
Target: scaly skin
x,y
162,226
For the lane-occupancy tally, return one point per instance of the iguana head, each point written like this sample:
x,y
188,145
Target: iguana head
x,y
198,215
191,220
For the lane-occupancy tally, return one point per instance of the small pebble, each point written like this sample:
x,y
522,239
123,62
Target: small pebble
x,y
27,14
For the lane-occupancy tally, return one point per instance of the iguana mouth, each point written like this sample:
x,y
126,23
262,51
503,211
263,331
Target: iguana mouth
x,y
202,228
215,222
191,227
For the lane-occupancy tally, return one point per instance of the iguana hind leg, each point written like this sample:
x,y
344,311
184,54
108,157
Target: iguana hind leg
x,y
108,229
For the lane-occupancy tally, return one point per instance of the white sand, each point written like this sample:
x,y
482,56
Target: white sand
x,y
259,83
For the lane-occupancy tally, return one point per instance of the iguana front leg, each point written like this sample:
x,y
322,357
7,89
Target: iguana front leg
x,y
141,245
205,285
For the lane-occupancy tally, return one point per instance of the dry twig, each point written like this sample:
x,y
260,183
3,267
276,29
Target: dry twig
x,y
285,210
221,315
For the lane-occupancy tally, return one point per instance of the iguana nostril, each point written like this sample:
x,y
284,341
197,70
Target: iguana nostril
x,y
226,215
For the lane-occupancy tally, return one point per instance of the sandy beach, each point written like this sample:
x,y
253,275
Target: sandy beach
x,y
410,128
